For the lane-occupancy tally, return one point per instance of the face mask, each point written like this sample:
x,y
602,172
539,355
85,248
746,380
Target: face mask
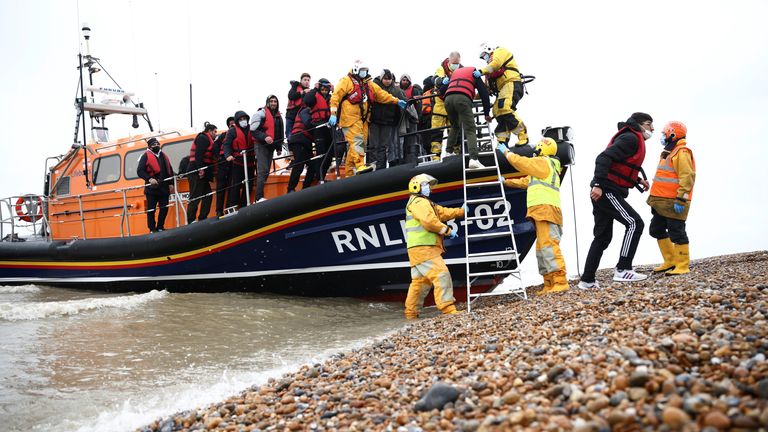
x,y
425,189
243,123
155,149
486,57
453,66
362,73
647,134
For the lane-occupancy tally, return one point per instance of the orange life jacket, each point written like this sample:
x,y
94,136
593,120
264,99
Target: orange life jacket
x,y
426,103
666,181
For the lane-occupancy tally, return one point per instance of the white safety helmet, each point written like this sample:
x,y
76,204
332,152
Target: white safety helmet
x,y
357,66
485,50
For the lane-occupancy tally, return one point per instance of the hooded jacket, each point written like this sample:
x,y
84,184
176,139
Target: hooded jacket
x,y
624,146
260,124
389,114
349,113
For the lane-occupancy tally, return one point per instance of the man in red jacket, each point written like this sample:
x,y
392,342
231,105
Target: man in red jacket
x,y
617,169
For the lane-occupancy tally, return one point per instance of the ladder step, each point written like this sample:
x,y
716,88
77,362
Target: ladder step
x,y
480,184
481,254
483,153
485,200
490,216
493,273
490,235
487,168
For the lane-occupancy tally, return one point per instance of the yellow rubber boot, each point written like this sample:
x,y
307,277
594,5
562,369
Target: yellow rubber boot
x,y
547,285
522,135
667,249
559,282
682,261
437,149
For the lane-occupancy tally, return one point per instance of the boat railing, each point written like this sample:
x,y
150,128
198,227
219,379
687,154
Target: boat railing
x,y
22,219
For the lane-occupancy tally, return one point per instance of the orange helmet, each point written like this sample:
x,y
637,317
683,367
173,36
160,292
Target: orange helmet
x,y
674,131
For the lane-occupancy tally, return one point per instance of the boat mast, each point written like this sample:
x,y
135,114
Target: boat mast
x,y
87,35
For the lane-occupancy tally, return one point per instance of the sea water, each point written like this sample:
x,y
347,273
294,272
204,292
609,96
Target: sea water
x,y
76,360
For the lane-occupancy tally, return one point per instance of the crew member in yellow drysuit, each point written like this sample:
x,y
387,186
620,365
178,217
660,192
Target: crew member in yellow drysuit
x,y
504,79
670,199
439,113
353,96
543,184
424,232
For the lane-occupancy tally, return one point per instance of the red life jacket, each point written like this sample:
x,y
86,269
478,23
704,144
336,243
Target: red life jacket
x,y
268,126
626,173
153,165
361,91
208,156
320,111
409,92
296,103
462,82
300,128
241,143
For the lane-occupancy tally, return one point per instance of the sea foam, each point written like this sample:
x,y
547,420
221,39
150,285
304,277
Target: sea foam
x,y
36,310
21,289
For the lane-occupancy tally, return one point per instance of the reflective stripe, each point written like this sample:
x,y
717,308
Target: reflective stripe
x,y
545,191
666,180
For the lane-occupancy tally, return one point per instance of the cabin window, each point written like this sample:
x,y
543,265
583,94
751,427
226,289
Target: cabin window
x,y
106,169
63,187
132,163
176,151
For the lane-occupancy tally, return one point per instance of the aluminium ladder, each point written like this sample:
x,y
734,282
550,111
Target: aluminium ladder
x,y
489,224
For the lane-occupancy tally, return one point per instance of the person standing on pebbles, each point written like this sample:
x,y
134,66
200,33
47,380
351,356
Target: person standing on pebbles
x,y
618,168
543,183
424,230
670,199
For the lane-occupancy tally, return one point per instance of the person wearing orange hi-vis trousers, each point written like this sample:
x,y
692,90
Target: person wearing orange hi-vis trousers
x,y
424,231
543,183
670,199
351,110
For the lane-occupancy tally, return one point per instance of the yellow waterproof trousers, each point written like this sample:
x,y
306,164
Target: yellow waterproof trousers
x,y
357,137
548,254
438,120
505,112
432,273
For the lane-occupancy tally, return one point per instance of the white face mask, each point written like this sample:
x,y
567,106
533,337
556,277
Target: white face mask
x,y
425,189
243,123
362,73
647,134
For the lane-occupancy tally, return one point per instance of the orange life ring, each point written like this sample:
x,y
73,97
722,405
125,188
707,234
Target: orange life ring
x,y
29,208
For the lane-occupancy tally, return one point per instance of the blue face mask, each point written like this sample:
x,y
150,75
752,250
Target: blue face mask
x,y
425,189
362,73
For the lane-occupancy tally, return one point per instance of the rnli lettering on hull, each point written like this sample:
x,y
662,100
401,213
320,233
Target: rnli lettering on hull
x,y
379,235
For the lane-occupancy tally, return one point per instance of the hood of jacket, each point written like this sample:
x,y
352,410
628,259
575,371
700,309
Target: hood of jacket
x,y
266,103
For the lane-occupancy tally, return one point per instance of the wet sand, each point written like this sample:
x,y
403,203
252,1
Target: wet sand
x,y
669,353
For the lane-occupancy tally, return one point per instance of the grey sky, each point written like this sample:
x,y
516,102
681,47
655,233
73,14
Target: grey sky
x,y
701,62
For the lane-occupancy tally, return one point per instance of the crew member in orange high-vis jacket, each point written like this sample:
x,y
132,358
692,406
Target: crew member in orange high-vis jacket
x,y
424,231
353,96
670,199
543,183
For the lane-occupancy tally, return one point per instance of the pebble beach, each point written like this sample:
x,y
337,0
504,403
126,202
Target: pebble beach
x,y
670,353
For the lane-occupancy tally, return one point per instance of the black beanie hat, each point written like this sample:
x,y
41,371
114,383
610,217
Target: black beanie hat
x,y
152,141
641,117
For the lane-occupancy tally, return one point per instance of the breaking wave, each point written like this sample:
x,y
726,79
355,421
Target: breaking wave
x,y
38,310
21,289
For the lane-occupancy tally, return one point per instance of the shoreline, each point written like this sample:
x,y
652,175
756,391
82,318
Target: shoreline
x,y
685,352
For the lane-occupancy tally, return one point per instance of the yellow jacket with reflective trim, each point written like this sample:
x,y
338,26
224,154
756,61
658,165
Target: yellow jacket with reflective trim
x,y
499,56
432,217
350,113
533,167
684,166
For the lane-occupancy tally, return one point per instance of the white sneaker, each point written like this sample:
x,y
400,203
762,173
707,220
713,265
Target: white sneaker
x,y
588,285
261,200
475,164
628,276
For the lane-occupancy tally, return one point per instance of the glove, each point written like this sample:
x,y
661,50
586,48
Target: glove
x,y
332,120
477,74
453,235
402,104
445,81
679,208
502,179
502,148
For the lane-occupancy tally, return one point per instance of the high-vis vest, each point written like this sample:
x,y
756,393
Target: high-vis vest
x,y
666,181
626,173
462,82
208,155
545,191
415,234
153,165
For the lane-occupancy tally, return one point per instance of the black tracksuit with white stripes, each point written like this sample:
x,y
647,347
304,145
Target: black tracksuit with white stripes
x,y
613,206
